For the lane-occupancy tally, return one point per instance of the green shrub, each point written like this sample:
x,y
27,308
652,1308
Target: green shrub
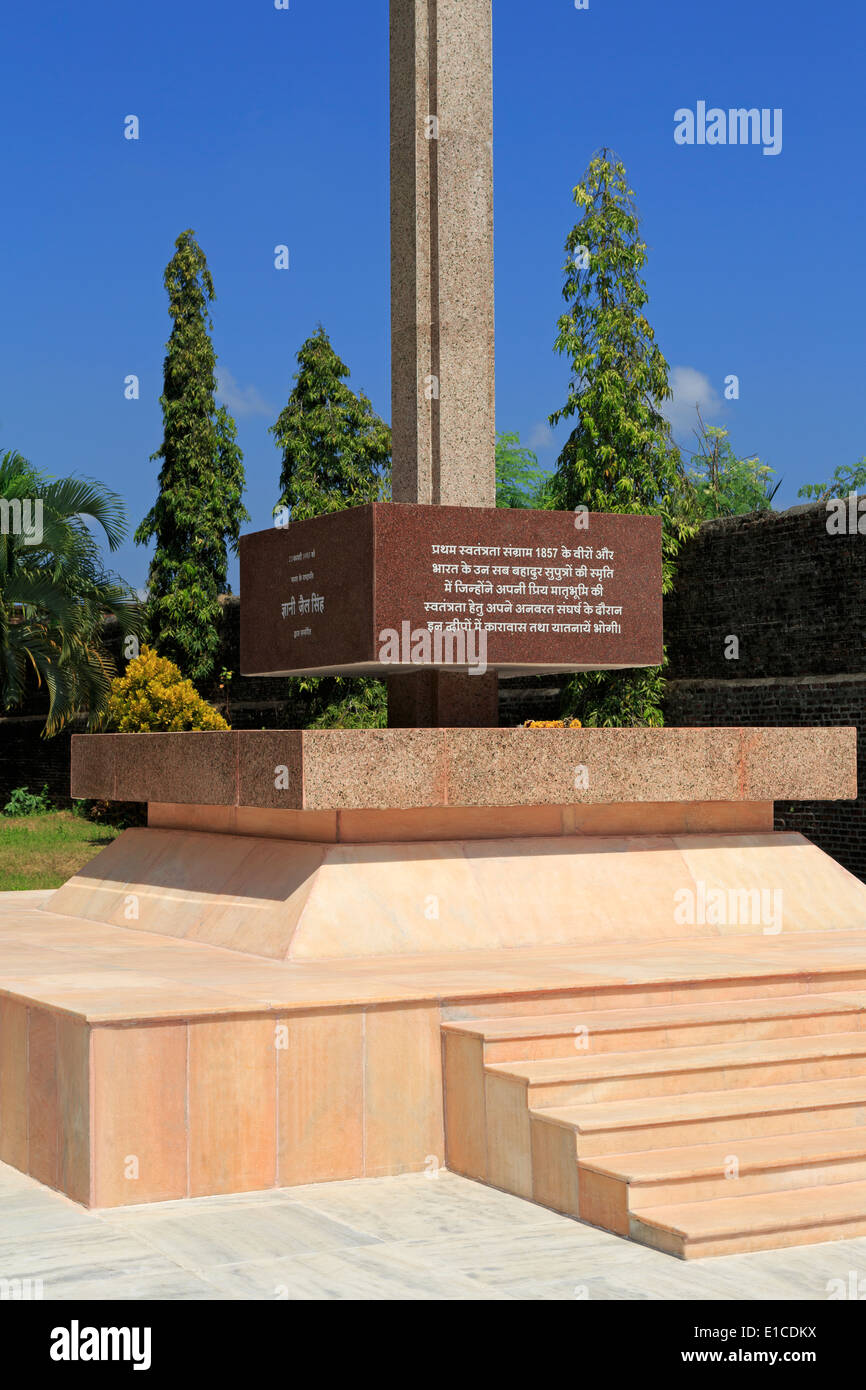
x,y
152,696
23,802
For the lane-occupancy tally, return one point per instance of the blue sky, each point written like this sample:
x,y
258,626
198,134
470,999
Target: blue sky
x,y
261,127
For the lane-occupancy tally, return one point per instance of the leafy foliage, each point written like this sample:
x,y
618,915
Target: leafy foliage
x,y
340,702
336,450
153,696
55,594
336,454
620,456
616,699
120,815
23,802
722,484
520,482
843,482
197,517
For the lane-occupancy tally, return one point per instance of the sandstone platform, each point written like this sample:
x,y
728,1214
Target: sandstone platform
x,y
139,1068
443,946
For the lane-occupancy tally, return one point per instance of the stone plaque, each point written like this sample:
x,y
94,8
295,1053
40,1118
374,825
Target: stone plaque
x,y
392,587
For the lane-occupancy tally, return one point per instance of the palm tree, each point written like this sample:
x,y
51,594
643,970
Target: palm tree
x,y
54,592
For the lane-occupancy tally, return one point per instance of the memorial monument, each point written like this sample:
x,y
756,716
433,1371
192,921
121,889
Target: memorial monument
x,y
576,964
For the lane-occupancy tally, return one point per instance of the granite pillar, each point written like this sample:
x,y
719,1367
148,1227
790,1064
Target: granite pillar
x,y
442,321
442,336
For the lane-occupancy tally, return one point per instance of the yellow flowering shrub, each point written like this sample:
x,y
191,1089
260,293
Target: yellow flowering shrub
x,y
553,724
152,696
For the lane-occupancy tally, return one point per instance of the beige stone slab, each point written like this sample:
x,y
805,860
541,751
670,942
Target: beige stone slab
x,y
139,1101
166,977
232,1106
262,900
594,890
509,1145
378,899
555,1178
13,1084
320,1058
466,822
281,898
403,1110
310,826
668,817
465,1124
42,1104
816,892
173,815
448,823
73,1109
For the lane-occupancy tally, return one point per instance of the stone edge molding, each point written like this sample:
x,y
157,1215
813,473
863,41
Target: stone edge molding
x,y
402,769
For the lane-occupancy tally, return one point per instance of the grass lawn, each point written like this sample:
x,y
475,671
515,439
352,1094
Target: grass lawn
x,y
44,851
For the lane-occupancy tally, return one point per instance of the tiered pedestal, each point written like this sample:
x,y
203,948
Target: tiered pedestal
x,y
259,988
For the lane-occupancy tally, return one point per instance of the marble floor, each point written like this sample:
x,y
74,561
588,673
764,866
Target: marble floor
x,y
416,1237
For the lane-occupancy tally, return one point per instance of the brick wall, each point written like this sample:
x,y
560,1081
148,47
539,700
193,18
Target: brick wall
x,y
795,598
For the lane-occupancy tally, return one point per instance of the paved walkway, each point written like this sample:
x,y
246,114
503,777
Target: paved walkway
x,y
412,1237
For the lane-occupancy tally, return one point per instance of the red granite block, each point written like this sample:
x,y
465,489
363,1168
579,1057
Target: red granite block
x,y
550,592
198,768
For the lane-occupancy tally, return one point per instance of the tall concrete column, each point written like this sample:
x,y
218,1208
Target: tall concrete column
x,y
442,332
442,322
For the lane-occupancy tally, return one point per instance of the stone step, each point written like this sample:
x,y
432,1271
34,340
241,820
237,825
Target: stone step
x,y
699,1117
535,1036
615,1185
586,1079
769,1220
656,990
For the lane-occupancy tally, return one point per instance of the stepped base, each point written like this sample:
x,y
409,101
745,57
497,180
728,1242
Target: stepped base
x,y
645,1011
138,1068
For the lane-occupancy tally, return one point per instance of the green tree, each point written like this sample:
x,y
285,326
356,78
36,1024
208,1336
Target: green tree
x,y
844,481
620,456
722,483
336,450
55,593
520,482
197,517
616,699
336,454
343,702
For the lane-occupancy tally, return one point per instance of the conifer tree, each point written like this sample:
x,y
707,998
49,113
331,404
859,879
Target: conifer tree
x,y
336,454
197,517
336,450
620,456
